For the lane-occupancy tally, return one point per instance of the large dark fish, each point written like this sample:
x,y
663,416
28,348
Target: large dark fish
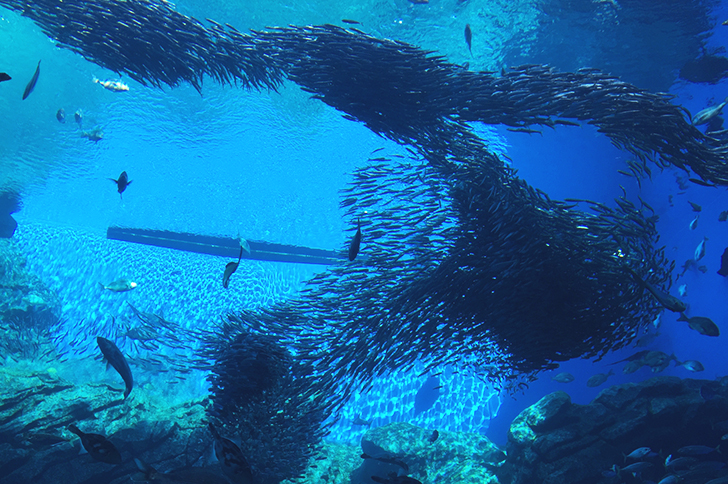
x,y
469,38
230,269
31,85
98,446
702,325
723,271
231,458
4,77
113,357
355,242
666,301
122,182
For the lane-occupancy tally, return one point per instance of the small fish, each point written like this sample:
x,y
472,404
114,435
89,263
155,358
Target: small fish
x,y
563,377
360,421
230,269
234,465
122,183
119,285
708,113
671,479
632,366
469,38
683,290
638,453
524,130
114,86
432,438
691,365
4,77
666,300
419,2
703,269
31,85
723,216
61,116
350,22
95,135
637,467
98,446
78,116
700,249
116,360
698,450
598,379
702,183
723,271
355,242
694,223
704,326
695,206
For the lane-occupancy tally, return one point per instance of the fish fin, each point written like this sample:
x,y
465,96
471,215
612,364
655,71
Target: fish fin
x,y
115,181
129,182
241,253
102,285
682,317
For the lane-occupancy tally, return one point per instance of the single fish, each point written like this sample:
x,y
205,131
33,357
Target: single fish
x,y
703,269
78,116
231,458
95,135
691,365
122,183
61,116
524,130
115,359
698,450
701,182
638,454
723,216
230,269
723,271
683,290
666,301
419,2
695,206
433,437
708,113
671,479
694,223
31,85
4,77
704,326
598,379
98,446
361,422
632,366
119,285
563,377
700,249
635,357
469,38
355,242
114,86
637,467
350,22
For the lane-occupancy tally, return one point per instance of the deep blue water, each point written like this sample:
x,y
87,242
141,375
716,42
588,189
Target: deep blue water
x,y
269,166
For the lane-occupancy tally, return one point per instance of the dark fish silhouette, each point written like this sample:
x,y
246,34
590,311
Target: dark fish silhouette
x,y
666,300
61,116
31,85
4,77
702,325
695,206
113,357
723,216
78,116
350,22
723,271
230,269
122,182
469,38
355,242
231,458
434,436
360,421
98,446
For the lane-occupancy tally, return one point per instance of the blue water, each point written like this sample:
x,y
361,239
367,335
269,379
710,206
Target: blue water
x,y
269,166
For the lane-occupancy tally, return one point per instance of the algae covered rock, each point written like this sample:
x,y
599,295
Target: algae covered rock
x,y
453,457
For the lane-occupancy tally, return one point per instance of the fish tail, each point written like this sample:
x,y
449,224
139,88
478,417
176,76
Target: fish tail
x,y
75,430
682,317
127,391
102,285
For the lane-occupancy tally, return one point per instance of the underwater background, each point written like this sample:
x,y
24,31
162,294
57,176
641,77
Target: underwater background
x,y
272,168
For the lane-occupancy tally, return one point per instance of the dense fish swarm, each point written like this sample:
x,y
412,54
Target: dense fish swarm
x,y
461,262
264,395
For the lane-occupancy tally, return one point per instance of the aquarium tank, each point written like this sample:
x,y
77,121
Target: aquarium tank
x,y
384,241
